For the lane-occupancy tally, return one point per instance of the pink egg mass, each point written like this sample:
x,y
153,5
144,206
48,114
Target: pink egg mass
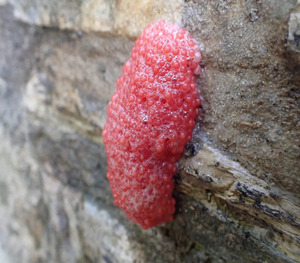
x,y
151,117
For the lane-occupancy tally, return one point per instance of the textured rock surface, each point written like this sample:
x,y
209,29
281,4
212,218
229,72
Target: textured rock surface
x,y
126,17
237,192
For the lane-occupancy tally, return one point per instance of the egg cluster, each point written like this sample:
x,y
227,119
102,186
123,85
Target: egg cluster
x,y
151,117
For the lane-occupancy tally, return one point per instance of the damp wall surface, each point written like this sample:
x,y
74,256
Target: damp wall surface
x,y
237,186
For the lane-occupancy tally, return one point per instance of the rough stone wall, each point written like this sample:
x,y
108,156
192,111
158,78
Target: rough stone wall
x,y
238,184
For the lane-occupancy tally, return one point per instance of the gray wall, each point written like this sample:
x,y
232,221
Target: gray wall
x,y
238,184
